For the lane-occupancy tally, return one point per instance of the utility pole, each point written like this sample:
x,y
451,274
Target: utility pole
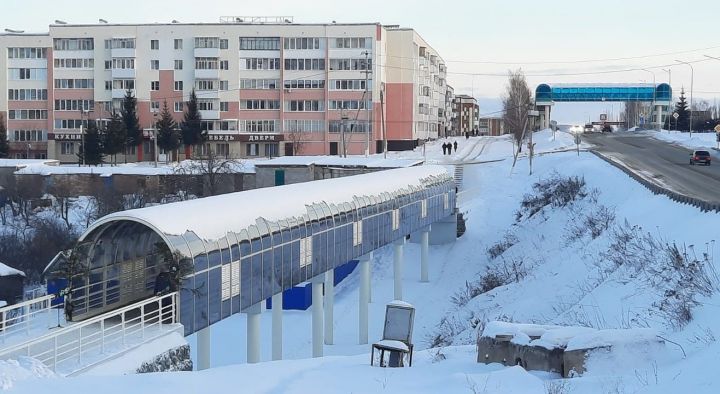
x,y
367,110
692,76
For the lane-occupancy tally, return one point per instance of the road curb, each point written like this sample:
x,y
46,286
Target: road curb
x,y
704,206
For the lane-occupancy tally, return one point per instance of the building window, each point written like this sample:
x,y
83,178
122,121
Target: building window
x,y
222,149
260,104
225,276
67,148
32,74
304,126
124,84
224,106
252,149
155,85
154,45
206,105
123,63
305,64
205,84
223,43
154,106
74,83
304,84
262,63
305,250
259,126
31,114
108,64
74,105
271,150
155,64
351,42
349,84
304,106
303,43
224,65
178,106
27,94
73,44
108,85
74,63
178,42
259,84
178,64
178,86
206,63
123,43
395,219
357,233
224,85
27,53
207,42
259,43
350,64
349,104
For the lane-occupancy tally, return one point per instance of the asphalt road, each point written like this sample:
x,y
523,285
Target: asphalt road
x,y
665,164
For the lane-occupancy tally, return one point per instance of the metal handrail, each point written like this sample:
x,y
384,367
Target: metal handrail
x,y
12,322
74,343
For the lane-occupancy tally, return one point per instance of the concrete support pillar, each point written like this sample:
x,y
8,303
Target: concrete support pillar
x,y
203,348
253,333
424,242
277,330
364,299
329,305
658,116
398,266
547,117
317,316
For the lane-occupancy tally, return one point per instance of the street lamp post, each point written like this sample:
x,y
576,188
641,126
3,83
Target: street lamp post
x,y
669,71
652,110
82,137
155,135
692,76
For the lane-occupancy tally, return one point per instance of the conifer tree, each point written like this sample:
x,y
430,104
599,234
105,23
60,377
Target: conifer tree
x,y
168,138
115,137
681,107
4,146
92,149
128,111
192,133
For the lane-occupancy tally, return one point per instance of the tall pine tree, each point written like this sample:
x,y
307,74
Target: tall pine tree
x,y
4,146
168,138
115,137
192,133
92,151
681,107
128,111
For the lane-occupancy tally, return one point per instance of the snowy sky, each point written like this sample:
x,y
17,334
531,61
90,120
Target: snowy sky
x,y
528,34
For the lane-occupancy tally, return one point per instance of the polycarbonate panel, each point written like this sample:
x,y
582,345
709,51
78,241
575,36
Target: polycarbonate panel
x,y
200,293
214,294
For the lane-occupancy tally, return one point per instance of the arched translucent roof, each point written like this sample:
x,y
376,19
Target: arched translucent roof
x,y
185,225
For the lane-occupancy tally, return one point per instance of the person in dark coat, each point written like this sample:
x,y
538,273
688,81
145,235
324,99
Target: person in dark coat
x,y
467,135
455,146
444,146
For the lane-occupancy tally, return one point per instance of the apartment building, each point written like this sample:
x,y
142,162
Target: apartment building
x,y
265,86
467,113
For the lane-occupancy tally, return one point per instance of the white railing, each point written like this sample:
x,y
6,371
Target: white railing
x,y
89,342
21,316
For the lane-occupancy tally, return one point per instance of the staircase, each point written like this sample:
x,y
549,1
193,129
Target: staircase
x,y
459,170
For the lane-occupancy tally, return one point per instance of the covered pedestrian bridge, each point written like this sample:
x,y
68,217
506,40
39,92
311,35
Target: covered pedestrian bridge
x,y
659,95
236,250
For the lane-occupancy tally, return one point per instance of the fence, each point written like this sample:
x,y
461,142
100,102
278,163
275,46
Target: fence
x,y
704,206
22,316
87,343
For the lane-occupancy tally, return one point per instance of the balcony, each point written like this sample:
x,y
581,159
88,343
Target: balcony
x,y
207,52
210,114
119,93
123,73
207,73
208,94
122,52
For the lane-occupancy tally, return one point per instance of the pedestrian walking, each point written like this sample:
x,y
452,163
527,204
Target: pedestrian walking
x,y
455,146
444,146
467,135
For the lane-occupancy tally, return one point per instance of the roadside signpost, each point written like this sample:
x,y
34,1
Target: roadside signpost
x,y
675,116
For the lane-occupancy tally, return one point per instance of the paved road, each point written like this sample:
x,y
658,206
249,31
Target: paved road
x,y
665,164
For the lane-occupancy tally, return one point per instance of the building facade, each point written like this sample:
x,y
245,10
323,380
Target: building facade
x,y
467,114
268,87
491,125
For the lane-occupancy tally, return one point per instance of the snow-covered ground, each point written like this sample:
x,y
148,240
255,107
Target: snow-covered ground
x,y
697,141
565,280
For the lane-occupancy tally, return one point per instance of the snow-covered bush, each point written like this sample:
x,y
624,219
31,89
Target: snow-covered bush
x,y
556,191
501,246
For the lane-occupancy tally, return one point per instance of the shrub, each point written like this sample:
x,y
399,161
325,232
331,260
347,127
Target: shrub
x,y
500,247
555,191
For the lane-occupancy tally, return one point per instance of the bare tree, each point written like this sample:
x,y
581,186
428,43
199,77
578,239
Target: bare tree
x,y
64,200
298,140
212,168
517,103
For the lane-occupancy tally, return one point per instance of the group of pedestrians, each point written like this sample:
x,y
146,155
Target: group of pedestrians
x,y
447,148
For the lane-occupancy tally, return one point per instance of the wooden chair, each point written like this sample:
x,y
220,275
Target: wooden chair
x,y
397,334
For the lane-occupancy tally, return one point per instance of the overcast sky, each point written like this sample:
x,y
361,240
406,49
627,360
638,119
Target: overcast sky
x,y
504,34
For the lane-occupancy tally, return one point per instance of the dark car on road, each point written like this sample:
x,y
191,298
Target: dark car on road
x,y
700,156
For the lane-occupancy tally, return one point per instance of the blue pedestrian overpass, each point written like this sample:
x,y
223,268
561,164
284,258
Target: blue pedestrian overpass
x,y
548,93
658,95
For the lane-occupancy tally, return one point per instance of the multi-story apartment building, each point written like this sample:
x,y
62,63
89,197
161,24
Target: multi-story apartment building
x,y
265,86
491,125
449,112
467,113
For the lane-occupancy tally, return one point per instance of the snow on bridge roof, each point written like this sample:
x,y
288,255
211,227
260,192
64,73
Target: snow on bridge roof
x,y
601,85
213,217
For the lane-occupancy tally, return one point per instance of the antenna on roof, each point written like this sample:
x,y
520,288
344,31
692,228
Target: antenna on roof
x,y
59,22
102,20
14,31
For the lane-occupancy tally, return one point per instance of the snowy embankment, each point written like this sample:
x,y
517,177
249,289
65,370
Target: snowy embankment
x,y
555,265
697,141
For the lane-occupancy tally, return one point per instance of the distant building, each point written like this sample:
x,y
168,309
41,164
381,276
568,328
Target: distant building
x,y
450,114
491,125
265,86
467,114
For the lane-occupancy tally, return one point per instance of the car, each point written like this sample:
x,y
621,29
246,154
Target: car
x,y
700,156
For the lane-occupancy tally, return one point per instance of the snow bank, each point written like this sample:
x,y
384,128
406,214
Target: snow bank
x,y
697,141
352,161
211,218
144,168
567,337
132,360
12,371
23,163
7,270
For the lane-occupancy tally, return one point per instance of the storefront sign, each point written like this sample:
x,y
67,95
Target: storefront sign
x,y
245,137
65,136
